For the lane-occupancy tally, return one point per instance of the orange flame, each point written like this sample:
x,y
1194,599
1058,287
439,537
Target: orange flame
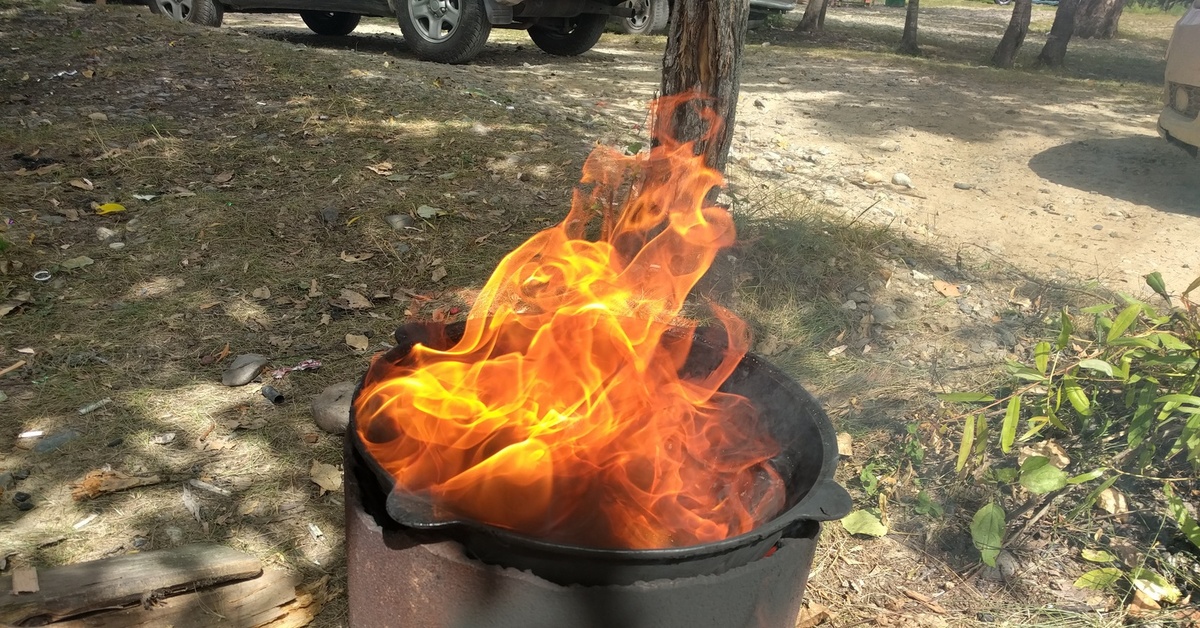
x,y
562,412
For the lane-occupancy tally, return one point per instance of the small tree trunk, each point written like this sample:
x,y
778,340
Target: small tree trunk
x,y
1099,19
1014,35
1055,50
704,56
813,20
908,42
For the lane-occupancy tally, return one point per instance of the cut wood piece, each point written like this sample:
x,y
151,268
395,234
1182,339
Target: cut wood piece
x,y
101,481
115,582
260,601
310,599
24,580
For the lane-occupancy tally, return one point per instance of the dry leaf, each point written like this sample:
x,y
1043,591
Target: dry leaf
x,y
109,208
946,288
326,476
313,289
101,482
813,615
224,177
439,273
1142,603
355,301
838,350
357,342
261,293
771,345
1112,501
384,168
845,444
1048,449
83,184
356,257
189,502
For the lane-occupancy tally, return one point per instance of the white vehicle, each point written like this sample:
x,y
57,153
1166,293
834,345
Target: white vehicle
x,y
1179,122
447,31
652,16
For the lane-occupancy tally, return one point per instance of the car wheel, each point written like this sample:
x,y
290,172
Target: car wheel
x,y
1002,2
446,31
570,36
649,17
333,23
202,12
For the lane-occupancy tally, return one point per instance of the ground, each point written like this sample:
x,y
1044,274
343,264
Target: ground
x,y
257,164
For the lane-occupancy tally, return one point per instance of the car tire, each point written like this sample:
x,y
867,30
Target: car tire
x,y
202,12
1002,2
445,31
569,37
333,23
649,17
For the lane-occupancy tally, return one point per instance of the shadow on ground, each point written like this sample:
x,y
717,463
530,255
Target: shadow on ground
x,y
1141,169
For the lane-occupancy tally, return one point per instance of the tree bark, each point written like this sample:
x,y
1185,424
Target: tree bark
x,y
1055,50
1014,35
1099,19
704,57
813,20
908,42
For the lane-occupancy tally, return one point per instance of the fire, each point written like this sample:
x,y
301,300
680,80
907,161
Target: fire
x,y
562,413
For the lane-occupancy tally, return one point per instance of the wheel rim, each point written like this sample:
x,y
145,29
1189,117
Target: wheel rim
x,y
641,14
177,10
435,20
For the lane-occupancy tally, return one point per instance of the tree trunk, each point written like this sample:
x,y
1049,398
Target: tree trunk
x,y
1014,35
1055,50
908,42
1099,19
704,56
813,20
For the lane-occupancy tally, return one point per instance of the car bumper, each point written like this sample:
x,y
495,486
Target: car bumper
x,y
773,5
1178,129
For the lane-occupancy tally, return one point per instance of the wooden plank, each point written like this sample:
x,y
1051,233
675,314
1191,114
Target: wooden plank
x,y
244,604
116,582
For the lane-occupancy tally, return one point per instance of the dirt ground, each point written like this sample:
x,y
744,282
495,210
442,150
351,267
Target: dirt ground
x,y
224,146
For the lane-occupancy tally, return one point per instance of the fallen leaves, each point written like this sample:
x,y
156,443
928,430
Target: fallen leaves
x,y
1112,501
813,615
355,257
946,288
382,168
427,212
224,177
14,302
326,476
845,444
83,184
353,300
47,169
865,523
189,502
103,481
109,208
358,342
76,262
261,292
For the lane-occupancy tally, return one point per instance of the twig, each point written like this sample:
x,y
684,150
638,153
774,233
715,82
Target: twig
x,y
12,367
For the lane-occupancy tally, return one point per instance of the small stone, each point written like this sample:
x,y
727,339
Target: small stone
x,y
329,216
98,117
399,222
116,442
175,535
986,618
760,104
873,176
920,276
140,542
331,408
902,180
7,481
244,369
1098,227
859,297
965,307
890,146
21,474
1116,213
402,247
51,220
25,506
850,305
105,234
959,185
116,245
783,80
884,315
22,496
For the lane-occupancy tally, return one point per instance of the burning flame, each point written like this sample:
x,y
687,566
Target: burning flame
x,y
562,413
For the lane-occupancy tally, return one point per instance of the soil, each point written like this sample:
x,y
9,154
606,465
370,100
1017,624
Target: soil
x,y
247,136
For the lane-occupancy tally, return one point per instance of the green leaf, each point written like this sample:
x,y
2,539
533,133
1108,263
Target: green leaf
x,y
1155,281
1020,371
926,506
968,440
1008,431
1090,500
1004,475
1041,477
1123,321
1192,286
966,397
869,480
981,434
1154,586
1171,342
1041,356
1191,400
1098,309
1182,517
1076,396
1064,330
1097,556
1099,579
1095,474
1133,341
864,522
1097,365
987,532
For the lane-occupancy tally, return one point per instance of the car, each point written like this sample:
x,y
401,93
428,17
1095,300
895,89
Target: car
x,y
446,31
651,16
1179,122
